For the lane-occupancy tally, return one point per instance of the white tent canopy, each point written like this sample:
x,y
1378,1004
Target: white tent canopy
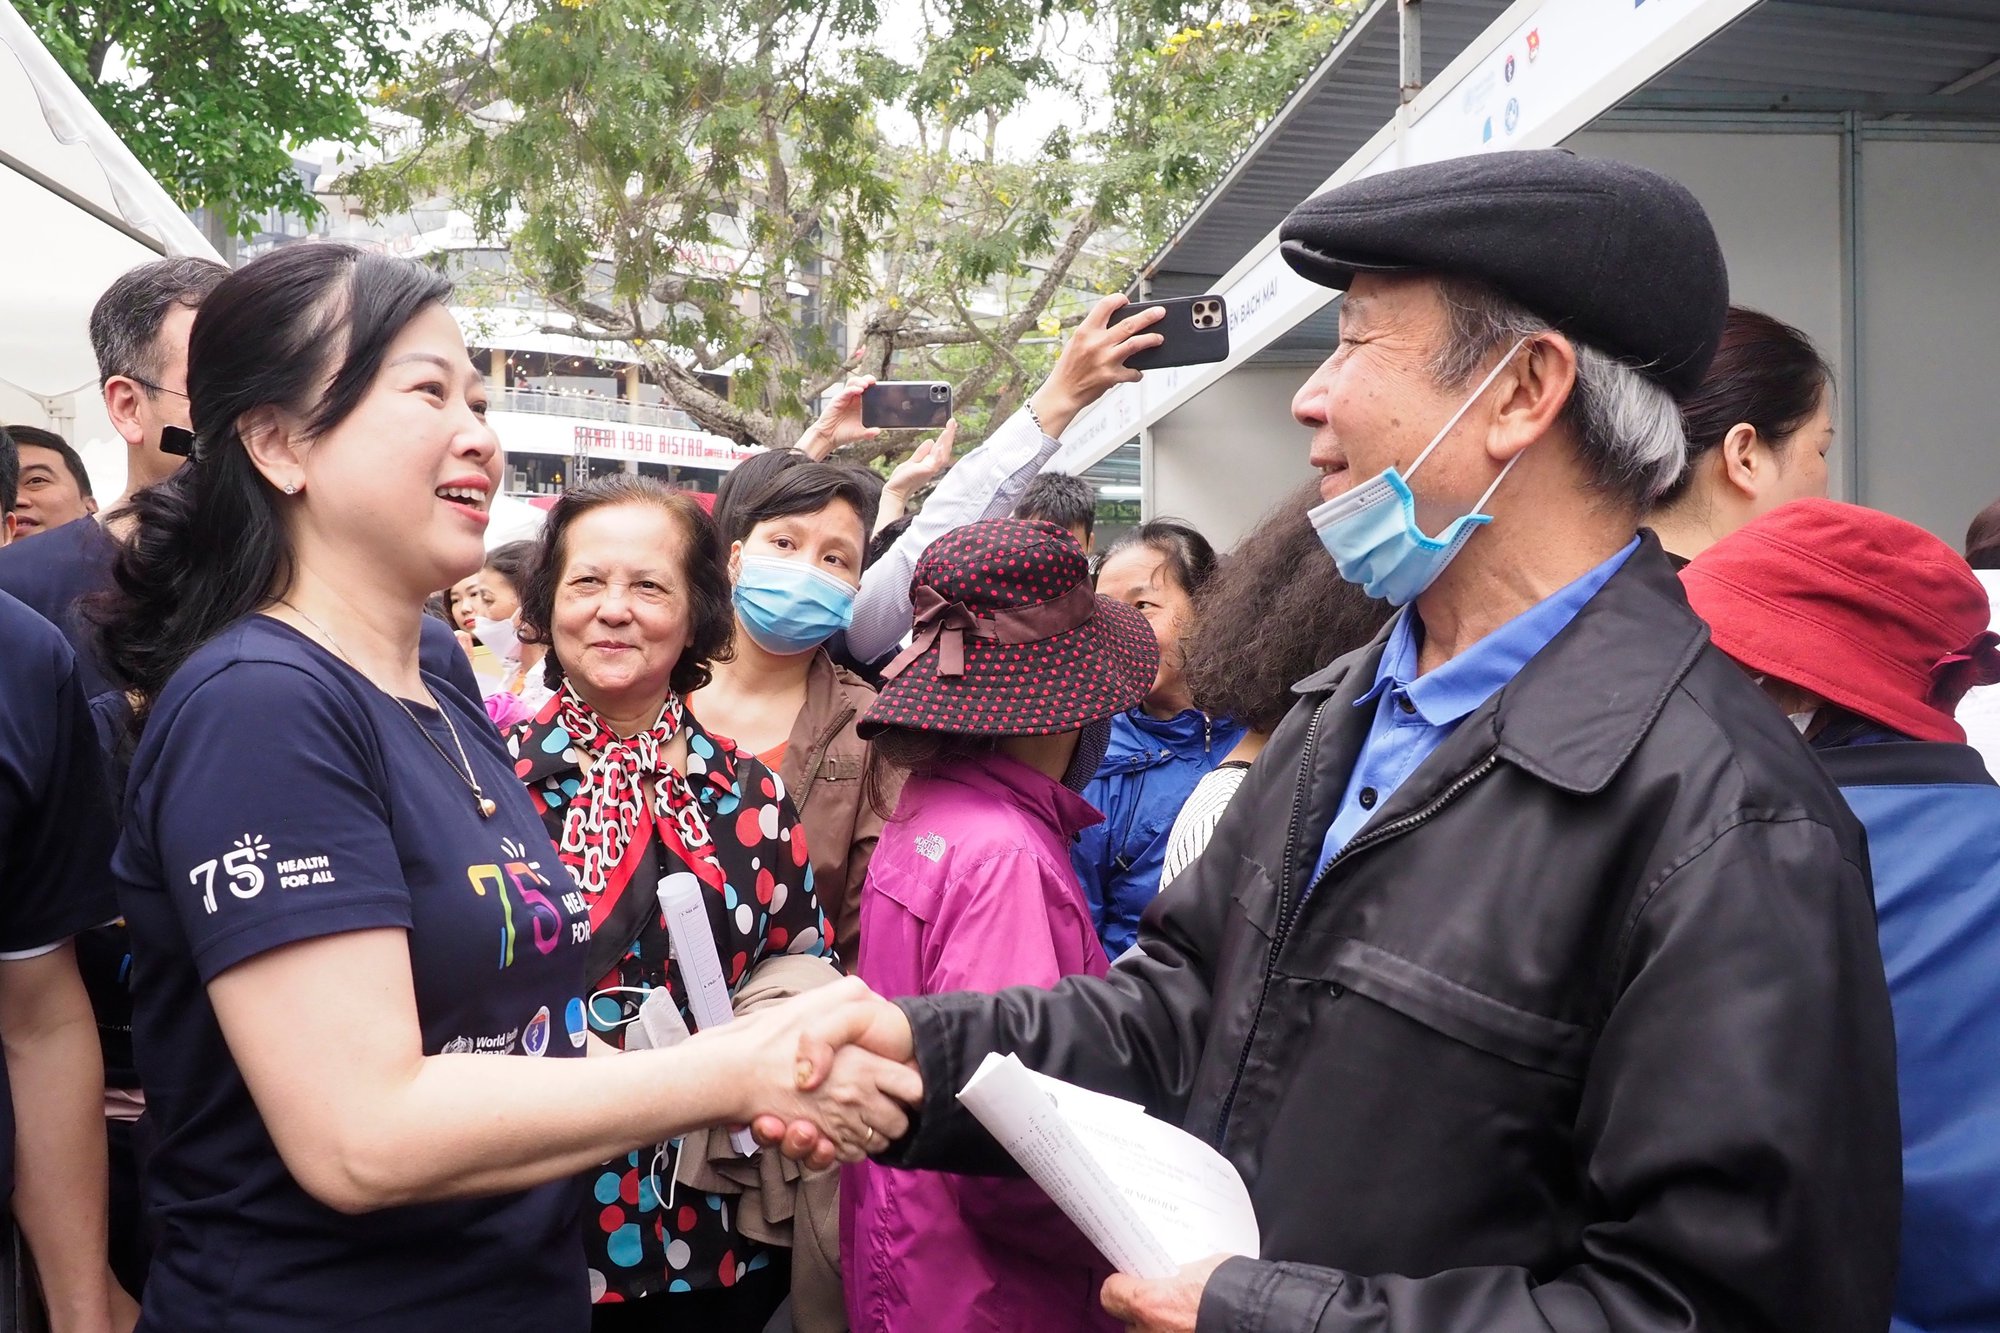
x,y
76,210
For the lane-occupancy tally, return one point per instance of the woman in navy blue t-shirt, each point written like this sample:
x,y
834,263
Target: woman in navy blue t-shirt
x,y
358,964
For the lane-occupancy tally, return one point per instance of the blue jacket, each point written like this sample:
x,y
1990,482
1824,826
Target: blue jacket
x,y
1932,813
1149,770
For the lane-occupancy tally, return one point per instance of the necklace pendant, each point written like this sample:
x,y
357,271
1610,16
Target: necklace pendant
x,y
487,807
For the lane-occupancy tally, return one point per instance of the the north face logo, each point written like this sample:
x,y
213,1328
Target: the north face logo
x,y
931,847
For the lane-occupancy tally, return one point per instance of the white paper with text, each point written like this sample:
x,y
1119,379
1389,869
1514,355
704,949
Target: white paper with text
x,y
1149,1195
693,941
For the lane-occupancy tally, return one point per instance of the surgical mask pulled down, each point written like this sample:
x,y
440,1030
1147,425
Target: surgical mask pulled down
x,y
789,607
1371,531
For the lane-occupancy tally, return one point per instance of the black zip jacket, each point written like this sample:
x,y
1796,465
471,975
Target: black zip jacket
x,y
1586,1029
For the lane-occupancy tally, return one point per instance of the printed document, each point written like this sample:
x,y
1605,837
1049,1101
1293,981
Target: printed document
x,y
1148,1194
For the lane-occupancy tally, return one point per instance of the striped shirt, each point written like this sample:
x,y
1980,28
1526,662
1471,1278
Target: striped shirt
x,y
1197,820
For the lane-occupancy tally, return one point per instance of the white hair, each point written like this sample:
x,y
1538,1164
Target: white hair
x,y
1628,427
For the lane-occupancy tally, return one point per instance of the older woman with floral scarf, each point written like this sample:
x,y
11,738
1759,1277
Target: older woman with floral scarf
x,y
632,598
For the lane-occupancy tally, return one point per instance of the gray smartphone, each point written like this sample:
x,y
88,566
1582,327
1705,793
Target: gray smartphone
x,y
906,405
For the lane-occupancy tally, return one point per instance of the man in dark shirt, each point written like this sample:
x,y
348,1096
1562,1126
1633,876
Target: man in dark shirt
x,y
55,486
139,331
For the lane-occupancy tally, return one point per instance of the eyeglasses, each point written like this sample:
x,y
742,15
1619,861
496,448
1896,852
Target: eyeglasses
x,y
156,388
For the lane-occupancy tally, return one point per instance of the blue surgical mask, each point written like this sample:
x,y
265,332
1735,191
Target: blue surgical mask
x,y
789,607
1371,531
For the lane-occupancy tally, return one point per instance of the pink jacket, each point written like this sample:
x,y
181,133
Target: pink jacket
x,y
971,889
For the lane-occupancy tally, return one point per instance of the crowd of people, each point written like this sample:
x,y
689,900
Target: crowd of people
x,y
1544,856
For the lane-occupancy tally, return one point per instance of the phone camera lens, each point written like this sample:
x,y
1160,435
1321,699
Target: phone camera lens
x,y
938,392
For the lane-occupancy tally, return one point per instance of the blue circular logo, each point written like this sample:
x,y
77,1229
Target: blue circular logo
x,y
573,1020
1513,118
1510,69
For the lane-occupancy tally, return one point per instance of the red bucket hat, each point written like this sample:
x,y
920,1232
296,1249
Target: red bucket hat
x,y
1866,610
1010,640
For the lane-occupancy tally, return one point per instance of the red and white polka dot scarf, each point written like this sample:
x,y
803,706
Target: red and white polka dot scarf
x,y
613,815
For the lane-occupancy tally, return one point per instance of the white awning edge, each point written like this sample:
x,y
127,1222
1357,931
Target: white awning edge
x,y
123,184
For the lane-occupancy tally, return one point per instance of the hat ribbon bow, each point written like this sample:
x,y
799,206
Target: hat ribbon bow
x,y
945,623
1978,663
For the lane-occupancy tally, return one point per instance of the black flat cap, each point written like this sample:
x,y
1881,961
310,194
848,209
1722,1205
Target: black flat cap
x,y
1614,255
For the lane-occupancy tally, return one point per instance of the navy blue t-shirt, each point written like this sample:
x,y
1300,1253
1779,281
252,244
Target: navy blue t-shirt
x,y
55,809
277,796
52,572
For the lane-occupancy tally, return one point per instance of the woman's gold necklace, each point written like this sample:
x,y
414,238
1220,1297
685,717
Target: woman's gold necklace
x,y
486,804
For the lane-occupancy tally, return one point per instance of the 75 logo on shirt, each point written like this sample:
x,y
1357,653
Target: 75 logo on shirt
x,y
240,864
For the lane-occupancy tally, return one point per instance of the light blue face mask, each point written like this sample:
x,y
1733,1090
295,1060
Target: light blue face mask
x,y
789,607
1371,531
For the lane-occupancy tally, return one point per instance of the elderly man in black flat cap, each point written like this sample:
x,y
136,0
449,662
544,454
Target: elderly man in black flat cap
x,y
1531,978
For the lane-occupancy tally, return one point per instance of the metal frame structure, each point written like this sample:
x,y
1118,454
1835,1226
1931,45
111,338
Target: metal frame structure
x,y
1411,80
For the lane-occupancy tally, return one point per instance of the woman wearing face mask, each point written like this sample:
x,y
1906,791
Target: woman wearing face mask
x,y
519,693
997,712
357,967
796,537
628,590
461,608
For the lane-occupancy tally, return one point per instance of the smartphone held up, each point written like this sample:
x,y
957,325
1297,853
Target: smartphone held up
x,y
1194,329
906,405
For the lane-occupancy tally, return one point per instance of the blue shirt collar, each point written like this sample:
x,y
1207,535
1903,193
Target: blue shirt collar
x,y
1452,691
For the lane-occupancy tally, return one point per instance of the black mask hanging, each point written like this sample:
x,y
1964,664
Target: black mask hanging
x,y
1091,743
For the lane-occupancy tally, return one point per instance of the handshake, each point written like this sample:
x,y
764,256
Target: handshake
x,y
831,1074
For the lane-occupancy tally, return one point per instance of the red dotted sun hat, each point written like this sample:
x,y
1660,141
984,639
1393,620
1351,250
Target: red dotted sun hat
x,y
1010,639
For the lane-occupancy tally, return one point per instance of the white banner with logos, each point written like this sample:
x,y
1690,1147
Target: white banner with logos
x,y
534,433
1540,73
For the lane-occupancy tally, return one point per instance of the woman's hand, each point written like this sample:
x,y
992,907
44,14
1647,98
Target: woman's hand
x,y
924,466
840,423
812,1107
1093,360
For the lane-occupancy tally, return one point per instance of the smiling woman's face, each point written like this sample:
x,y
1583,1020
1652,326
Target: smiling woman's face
x,y
621,618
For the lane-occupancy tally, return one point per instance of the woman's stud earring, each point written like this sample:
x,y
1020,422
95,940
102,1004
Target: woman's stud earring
x,y
291,488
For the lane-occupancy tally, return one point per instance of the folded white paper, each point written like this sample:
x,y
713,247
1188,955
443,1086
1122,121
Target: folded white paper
x,y
1149,1195
693,941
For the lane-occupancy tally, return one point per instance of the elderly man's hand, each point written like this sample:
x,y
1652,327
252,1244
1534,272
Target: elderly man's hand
x,y
860,1019
1160,1305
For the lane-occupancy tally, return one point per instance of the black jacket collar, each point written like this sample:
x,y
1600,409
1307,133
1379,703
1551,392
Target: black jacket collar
x,y
1906,764
1580,707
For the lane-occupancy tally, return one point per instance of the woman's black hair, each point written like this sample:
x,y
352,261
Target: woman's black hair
x,y
303,328
711,619
1187,555
514,562
1276,611
801,487
750,476
898,753
1982,538
1766,374
885,537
